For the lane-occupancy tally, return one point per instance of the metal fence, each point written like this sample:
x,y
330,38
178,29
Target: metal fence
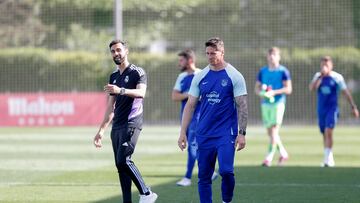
x,y
74,34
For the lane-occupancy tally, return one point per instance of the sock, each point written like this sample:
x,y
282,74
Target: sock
x,y
330,157
327,152
271,152
280,146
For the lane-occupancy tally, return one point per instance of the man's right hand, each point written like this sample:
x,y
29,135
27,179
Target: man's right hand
x,y
97,140
182,141
262,94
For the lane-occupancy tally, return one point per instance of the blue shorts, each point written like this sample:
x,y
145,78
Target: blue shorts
x,y
328,119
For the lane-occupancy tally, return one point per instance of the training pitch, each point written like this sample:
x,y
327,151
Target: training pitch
x,y
62,165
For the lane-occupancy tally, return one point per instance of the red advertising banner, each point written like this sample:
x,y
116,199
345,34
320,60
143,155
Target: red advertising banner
x,y
52,109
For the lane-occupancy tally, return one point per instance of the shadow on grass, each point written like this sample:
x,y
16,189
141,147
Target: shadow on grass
x,y
275,184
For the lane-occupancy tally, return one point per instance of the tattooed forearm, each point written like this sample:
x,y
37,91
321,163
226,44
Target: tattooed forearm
x,y
242,110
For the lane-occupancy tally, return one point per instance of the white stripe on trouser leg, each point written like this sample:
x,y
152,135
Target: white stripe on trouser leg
x,y
134,171
137,175
139,178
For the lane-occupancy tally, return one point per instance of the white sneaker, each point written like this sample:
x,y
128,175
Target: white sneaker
x,y
151,198
214,176
184,182
331,164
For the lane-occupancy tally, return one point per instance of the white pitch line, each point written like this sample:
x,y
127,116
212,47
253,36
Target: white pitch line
x,y
296,185
111,184
54,184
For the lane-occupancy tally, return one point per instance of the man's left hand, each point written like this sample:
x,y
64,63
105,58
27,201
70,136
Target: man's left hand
x,y
269,94
240,142
112,89
355,111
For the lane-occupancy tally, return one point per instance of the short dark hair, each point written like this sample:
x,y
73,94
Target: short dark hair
x,y
215,42
117,41
274,49
188,54
326,58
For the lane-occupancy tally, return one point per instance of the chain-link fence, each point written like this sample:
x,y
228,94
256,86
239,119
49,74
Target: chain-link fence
x,y
62,45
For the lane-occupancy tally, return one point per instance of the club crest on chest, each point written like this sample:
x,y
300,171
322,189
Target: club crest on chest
x,y
224,82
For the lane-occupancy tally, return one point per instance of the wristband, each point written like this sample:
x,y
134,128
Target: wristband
x,y
242,132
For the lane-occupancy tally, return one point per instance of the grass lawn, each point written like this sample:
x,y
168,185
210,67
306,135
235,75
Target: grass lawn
x,y
61,165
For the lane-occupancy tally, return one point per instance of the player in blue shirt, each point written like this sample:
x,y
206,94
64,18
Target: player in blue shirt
x,y
328,85
222,120
180,93
272,85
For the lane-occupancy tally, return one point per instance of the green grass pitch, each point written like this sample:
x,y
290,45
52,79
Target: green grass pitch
x,y
61,165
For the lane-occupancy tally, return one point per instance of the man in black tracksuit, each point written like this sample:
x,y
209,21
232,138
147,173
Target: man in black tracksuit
x,y
126,89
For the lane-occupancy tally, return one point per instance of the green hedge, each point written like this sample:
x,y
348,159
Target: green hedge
x,y
59,23
32,70
29,69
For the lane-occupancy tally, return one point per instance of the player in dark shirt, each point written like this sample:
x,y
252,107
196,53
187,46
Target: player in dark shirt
x,y
126,89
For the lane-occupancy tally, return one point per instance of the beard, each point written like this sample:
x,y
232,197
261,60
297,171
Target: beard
x,y
117,60
183,68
